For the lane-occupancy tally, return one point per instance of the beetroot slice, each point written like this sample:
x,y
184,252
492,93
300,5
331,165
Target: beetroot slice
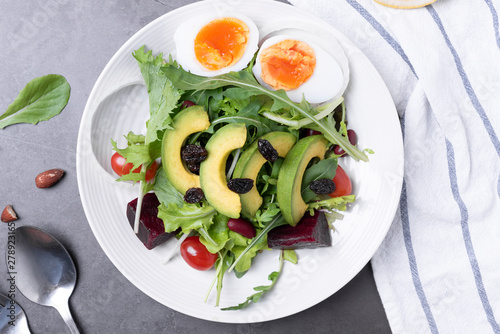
x,y
151,229
310,232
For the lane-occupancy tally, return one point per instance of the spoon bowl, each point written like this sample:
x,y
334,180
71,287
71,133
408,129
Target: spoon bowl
x,y
46,273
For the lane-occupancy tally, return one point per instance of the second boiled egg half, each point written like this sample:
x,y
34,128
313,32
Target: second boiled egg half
x,y
296,63
210,45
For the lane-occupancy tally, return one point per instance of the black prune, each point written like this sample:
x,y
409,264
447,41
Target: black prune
x,y
194,168
193,195
240,186
193,154
267,150
322,186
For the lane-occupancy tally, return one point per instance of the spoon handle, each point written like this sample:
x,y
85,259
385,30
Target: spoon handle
x,y
63,309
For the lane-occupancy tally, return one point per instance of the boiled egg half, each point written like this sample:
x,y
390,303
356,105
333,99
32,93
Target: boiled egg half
x,y
293,60
210,45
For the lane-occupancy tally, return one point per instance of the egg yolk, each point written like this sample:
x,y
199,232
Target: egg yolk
x,y
221,43
287,64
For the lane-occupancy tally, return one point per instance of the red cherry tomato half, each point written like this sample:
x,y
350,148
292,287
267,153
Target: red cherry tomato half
x,y
196,254
121,167
343,185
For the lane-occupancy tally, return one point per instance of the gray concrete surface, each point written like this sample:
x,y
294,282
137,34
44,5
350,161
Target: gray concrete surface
x,y
77,39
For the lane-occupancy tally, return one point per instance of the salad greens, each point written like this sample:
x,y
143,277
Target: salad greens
x,y
41,99
235,97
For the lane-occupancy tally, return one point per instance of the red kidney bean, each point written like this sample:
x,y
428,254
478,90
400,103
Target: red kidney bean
x,y
353,139
310,132
241,226
187,103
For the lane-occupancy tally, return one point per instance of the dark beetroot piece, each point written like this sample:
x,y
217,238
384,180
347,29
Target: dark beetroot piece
x,y
193,154
240,186
151,229
267,150
242,226
353,139
310,232
193,195
322,186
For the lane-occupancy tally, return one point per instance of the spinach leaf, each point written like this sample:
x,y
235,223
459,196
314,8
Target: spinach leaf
x,y
41,99
165,192
324,169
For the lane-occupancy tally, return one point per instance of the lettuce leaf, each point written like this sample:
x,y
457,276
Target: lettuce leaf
x,y
163,96
187,217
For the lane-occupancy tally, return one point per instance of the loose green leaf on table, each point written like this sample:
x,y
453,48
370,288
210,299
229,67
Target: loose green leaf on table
x,y
41,99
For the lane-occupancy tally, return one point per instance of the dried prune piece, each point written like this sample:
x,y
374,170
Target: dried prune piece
x,y
240,186
194,168
193,154
267,150
193,195
322,186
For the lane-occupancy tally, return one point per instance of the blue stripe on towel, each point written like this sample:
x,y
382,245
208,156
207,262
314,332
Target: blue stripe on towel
x,y
467,238
415,276
494,16
498,186
468,87
380,29
403,207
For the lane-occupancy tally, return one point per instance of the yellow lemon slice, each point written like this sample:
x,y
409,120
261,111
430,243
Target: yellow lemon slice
x,y
405,4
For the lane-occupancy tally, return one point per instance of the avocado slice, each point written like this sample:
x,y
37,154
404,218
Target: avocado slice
x,y
291,173
188,121
213,169
250,163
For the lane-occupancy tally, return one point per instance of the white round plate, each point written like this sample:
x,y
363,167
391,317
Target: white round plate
x,y
118,103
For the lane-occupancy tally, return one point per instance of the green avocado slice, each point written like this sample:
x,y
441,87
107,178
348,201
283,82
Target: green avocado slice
x,y
213,169
291,173
250,163
188,121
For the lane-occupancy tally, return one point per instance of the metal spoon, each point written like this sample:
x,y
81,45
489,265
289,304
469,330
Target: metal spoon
x,y
12,317
46,273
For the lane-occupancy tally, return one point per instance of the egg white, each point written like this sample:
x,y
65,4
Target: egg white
x,y
325,82
185,36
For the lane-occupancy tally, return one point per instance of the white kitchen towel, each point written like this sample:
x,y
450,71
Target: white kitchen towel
x,y
438,270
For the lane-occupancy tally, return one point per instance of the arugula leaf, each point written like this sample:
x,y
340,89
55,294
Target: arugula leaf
x,y
246,86
41,99
163,97
277,221
245,259
290,255
188,217
165,192
263,216
273,277
324,169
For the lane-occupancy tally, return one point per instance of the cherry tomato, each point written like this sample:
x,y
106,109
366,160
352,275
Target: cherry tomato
x,y
196,254
121,167
343,185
